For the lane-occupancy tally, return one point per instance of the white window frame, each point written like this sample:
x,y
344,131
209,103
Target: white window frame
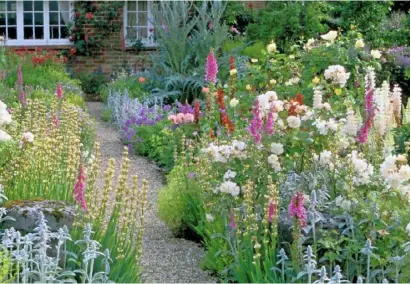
x,y
147,42
20,41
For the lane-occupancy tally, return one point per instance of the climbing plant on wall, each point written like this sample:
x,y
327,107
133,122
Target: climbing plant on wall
x,y
91,23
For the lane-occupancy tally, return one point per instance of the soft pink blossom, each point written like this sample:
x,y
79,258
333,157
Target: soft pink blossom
x,y
79,188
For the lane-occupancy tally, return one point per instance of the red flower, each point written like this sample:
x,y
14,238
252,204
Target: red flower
x,y
72,51
142,80
89,16
251,5
300,99
232,62
196,111
77,14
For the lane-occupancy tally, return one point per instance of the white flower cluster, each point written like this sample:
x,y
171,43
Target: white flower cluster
x,y
343,203
223,153
274,162
382,104
293,121
310,44
292,81
362,170
395,177
267,100
5,118
277,148
337,74
330,36
229,187
229,174
324,126
351,124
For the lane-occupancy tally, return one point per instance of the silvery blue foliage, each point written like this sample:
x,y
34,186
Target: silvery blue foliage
x,y
309,266
33,261
322,276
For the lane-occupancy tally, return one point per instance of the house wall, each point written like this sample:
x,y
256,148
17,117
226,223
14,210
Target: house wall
x,y
112,57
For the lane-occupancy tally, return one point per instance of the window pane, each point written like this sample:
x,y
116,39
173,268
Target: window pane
x,y
28,6
54,18
63,6
12,33
54,32
142,19
39,32
142,32
131,19
64,18
63,32
54,6
38,5
2,6
2,31
11,19
142,6
131,32
38,18
11,5
131,5
28,19
28,33
2,19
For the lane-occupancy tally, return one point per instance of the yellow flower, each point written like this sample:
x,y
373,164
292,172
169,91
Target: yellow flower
x,y
316,80
273,81
234,102
359,43
272,47
254,60
248,87
233,72
338,91
376,53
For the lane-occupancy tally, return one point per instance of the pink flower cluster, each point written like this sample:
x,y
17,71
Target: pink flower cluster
x,y
211,68
181,118
296,208
370,113
256,125
79,188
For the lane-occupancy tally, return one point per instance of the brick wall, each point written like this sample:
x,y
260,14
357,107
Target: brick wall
x,y
112,57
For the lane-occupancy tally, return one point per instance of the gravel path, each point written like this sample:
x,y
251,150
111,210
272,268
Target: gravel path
x,y
165,258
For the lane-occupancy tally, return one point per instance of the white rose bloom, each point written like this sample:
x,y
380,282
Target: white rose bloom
x,y
230,188
327,106
308,115
337,74
277,148
325,158
330,36
321,126
4,136
230,174
332,125
5,117
239,145
376,54
404,172
274,163
278,105
293,121
234,102
359,43
3,105
265,101
272,47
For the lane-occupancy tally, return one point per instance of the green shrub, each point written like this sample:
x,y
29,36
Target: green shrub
x,y
106,115
287,22
92,83
255,51
131,83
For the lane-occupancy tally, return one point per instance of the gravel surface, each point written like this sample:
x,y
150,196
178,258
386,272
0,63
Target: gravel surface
x,y
165,258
